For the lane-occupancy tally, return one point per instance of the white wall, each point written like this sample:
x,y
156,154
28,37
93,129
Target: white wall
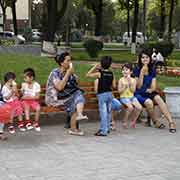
x,y
22,10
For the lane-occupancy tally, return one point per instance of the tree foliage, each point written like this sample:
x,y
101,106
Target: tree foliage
x,y
97,7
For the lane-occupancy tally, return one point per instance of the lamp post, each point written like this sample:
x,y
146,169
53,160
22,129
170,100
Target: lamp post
x,y
86,29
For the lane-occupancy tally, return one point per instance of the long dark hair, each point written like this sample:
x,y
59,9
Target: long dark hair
x,y
140,64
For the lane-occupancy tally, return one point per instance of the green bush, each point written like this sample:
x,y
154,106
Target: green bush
x,y
173,63
93,47
164,47
7,42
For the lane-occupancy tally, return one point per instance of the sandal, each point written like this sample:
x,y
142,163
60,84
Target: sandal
x,y
172,128
3,137
159,125
76,132
113,126
99,133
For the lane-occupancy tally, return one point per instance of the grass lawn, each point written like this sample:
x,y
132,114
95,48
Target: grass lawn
x,y
118,56
122,56
43,66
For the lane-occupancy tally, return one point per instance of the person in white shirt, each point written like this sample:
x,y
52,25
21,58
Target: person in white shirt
x,y
11,97
157,57
30,98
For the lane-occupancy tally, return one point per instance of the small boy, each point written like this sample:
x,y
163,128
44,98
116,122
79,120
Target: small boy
x,y
106,81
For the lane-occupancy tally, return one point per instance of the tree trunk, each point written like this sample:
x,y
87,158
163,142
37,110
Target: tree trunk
x,y
48,47
68,31
144,19
163,18
98,14
4,18
170,19
128,18
60,12
135,24
14,17
51,26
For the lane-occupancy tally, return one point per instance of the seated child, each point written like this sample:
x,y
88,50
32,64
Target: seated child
x,y
11,98
5,112
126,88
30,98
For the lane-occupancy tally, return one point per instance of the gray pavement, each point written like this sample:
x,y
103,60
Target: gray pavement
x,y
134,154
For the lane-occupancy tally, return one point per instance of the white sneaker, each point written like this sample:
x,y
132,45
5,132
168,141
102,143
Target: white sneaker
x,y
21,127
11,129
29,127
81,117
77,133
37,127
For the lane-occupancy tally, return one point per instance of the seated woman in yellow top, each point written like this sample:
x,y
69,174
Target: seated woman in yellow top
x,y
126,88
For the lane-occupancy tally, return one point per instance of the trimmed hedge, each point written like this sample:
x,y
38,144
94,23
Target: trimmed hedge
x,y
164,47
5,42
93,47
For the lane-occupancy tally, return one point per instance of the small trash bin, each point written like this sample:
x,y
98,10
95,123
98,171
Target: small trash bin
x,y
173,100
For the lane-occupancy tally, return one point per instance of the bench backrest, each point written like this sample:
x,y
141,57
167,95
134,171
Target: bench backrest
x,y
89,93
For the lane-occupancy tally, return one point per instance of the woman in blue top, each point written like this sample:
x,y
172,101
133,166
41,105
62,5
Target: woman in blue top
x,y
146,90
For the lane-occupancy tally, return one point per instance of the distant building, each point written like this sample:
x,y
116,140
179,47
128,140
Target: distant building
x,y
23,13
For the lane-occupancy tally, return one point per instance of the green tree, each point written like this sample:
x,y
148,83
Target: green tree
x,y
135,24
176,19
37,15
108,18
97,7
3,4
171,12
162,18
55,10
128,5
12,5
84,19
144,17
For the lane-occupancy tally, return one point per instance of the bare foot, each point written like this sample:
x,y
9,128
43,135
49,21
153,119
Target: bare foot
x,y
125,125
133,124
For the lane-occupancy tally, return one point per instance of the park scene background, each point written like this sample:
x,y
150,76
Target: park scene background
x,y
110,27
32,32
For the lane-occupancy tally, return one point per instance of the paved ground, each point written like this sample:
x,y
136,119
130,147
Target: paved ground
x,y
52,154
